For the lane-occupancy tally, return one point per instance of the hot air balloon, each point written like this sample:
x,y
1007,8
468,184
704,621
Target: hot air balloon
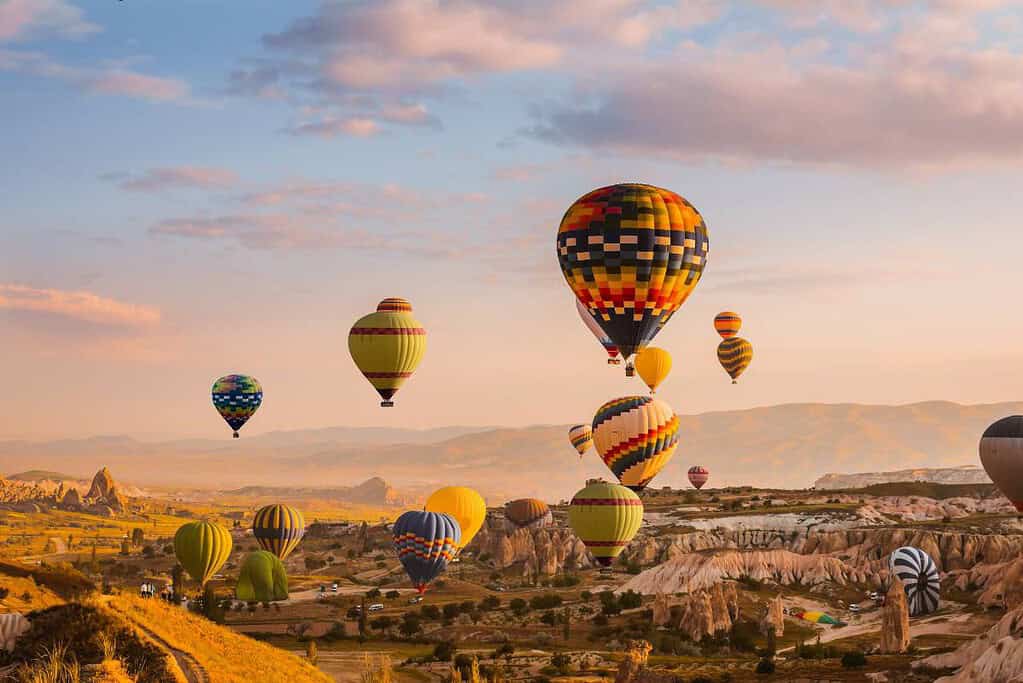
x,y
527,513
12,626
653,365
727,324
1001,454
814,617
202,548
278,529
425,543
698,476
387,346
919,576
581,437
635,437
632,255
592,326
465,505
735,355
262,578
605,517
237,398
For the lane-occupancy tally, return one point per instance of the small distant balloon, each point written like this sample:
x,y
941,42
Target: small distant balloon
x,y
727,324
237,398
735,354
653,365
698,476
581,438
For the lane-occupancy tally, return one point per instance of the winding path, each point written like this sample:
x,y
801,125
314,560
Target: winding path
x,y
194,671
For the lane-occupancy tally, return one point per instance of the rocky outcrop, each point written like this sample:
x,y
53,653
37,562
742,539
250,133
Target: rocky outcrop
x,y
633,661
71,500
966,474
708,612
540,552
101,485
895,621
661,610
994,656
773,618
691,573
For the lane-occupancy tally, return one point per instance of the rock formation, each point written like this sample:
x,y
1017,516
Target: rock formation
x,y
101,485
895,621
661,609
71,500
966,474
708,612
773,618
994,656
634,661
540,552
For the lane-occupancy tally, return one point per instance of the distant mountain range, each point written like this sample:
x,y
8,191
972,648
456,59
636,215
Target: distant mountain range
x,y
965,474
786,446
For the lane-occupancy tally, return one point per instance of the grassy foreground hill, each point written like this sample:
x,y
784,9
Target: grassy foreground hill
x,y
77,634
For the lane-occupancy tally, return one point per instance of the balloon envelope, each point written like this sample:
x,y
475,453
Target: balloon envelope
x,y
727,324
12,626
735,355
465,505
632,254
635,436
605,517
581,437
528,513
593,327
262,578
237,398
387,346
425,543
202,548
919,576
1001,454
278,529
698,476
653,365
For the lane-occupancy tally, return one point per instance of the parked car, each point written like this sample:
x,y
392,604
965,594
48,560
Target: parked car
x,y
333,587
415,600
375,607
354,612
854,608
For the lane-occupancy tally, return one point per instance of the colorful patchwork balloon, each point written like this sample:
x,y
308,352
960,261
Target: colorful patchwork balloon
x,y
425,543
735,355
237,398
632,254
727,324
581,437
605,517
387,346
635,436
278,529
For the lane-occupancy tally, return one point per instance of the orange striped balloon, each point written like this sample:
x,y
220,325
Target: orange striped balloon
x,y
727,324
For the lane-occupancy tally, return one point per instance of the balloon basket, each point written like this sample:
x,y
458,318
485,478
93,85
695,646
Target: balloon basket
x,y
630,371
235,435
735,381
387,404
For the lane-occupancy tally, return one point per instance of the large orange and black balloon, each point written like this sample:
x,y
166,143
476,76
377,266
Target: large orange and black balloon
x,y
632,255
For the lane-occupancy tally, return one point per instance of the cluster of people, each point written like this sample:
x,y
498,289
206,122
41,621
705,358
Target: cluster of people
x,y
147,590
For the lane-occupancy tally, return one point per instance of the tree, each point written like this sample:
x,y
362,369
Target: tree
x,y
566,618
381,623
373,593
125,547
854,660
392,595
177,574
549,618
630,599
518,606
138,537
431,612
451,610
490,602
765,665
362,621
586,596
545,601
444,651
410,625
506,650
561,662
310,651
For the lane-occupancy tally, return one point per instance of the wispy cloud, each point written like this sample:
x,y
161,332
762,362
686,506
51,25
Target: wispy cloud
x,y
112,80
194,177
21,19
329,128
81,306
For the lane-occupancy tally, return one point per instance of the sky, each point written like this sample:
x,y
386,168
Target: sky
x,y
197,188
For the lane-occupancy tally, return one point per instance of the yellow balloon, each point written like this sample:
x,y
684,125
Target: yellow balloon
x,y
653,365
465,505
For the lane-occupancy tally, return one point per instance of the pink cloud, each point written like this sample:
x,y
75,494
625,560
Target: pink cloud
x,y
358,127
20,18
197,177
77,305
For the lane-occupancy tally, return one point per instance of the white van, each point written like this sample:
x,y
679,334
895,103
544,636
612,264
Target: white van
x,y
375,607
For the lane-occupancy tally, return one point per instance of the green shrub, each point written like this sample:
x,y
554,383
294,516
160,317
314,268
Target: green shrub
x,y
854,660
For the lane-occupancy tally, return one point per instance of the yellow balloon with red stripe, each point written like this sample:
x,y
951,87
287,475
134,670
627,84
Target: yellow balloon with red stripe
x,y
387,346
653,365
605,517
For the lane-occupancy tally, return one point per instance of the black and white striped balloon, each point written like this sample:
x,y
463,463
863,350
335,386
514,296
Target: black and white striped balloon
x,y
919,576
